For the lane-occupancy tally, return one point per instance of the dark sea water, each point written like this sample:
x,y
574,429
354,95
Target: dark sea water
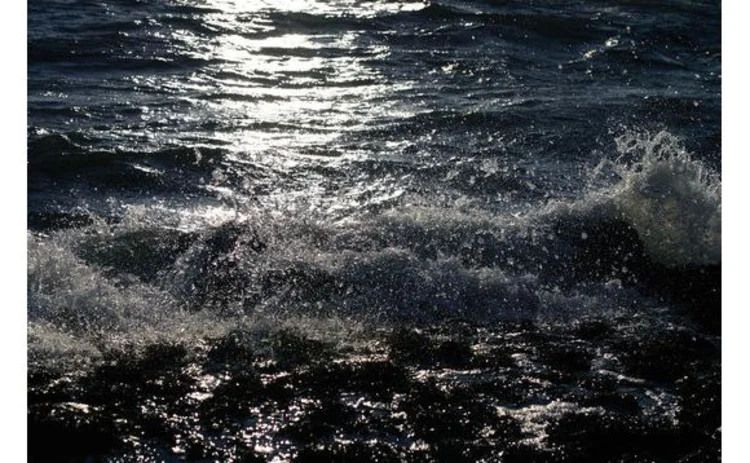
x,y
374,230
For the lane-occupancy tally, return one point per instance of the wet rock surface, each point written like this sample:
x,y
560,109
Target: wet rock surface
x,y
596,390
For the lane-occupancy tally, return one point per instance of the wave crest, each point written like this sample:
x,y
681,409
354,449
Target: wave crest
x,y
671,199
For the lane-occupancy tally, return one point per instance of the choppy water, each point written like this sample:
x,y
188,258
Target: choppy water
x,y
342,168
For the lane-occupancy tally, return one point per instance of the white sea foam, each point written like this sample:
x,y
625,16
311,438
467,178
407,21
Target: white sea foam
x,y
670,198
412,263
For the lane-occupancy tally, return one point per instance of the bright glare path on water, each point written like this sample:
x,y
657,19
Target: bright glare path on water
x,y
269,90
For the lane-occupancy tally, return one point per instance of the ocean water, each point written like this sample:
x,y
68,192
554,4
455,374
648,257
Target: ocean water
x,y
450,195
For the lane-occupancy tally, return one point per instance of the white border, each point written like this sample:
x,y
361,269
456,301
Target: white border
x,y
735,105
13,427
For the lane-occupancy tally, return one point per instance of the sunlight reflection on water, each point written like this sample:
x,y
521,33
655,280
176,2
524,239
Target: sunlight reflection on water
x,y
285,93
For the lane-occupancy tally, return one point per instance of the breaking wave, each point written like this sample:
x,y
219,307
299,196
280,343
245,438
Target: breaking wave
x,y
650,215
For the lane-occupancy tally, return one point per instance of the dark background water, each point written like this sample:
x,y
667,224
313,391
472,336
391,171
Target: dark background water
x,y
337,95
